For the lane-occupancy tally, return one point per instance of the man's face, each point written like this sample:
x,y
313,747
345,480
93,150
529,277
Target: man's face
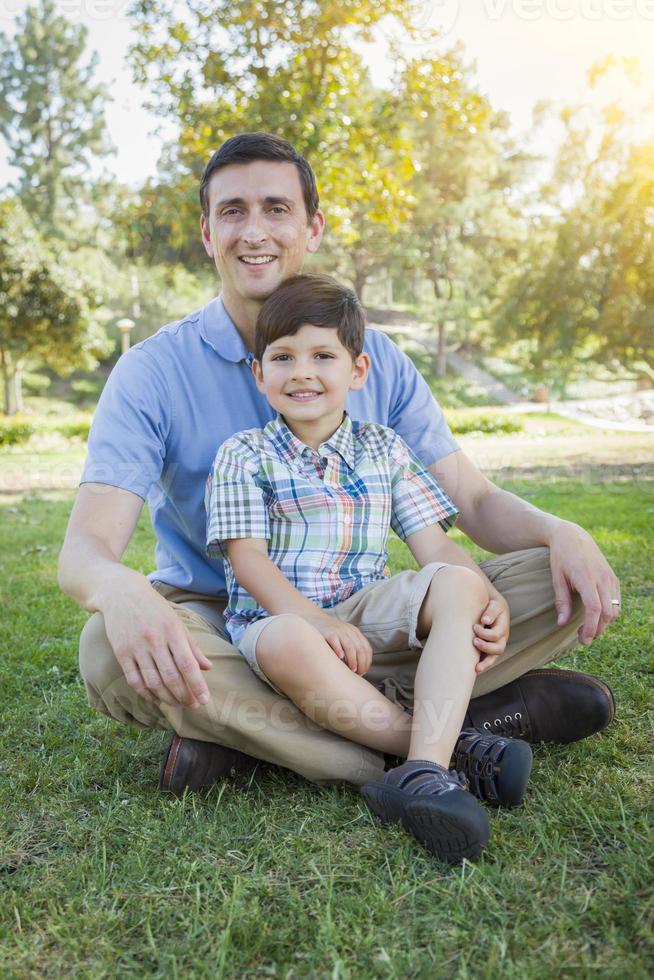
x,y
258,232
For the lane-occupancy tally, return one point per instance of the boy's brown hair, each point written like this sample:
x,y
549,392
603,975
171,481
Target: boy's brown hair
x,y
315,299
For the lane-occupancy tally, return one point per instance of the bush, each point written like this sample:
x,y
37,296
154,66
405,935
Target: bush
x,y
84,390
14,430
74,428
35,383
464,423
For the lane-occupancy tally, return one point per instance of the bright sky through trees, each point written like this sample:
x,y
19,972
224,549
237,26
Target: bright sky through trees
x,y
525,50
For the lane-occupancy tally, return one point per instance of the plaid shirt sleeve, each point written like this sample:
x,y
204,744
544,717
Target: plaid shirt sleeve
x,y
418,500
234,501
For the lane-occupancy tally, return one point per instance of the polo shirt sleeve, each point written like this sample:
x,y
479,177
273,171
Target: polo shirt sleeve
x,y
127,440
234,500
413,411
417,499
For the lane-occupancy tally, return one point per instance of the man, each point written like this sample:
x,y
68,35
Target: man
x,y
154,653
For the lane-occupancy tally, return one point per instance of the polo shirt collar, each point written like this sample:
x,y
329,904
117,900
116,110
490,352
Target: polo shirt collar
x,y
293,450
218,330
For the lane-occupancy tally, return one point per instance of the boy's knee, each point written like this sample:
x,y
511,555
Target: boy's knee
x,y
286,633
459,582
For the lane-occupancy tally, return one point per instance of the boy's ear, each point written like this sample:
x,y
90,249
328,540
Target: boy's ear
x,y
360,369
258,374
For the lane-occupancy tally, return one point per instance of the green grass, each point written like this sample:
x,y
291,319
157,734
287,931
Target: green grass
x,y
102,876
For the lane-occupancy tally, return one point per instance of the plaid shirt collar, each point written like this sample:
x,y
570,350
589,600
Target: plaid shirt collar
x,y
292,450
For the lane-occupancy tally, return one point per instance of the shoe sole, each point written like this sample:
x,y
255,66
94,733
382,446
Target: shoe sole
x,y
448,826
168,765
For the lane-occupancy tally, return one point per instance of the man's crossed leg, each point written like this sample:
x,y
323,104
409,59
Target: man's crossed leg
x,y
245,718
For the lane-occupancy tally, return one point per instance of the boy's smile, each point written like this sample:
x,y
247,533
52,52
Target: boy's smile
x,y
306,377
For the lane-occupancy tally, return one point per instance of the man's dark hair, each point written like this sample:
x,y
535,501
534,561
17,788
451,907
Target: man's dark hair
x,y
248,147
314,299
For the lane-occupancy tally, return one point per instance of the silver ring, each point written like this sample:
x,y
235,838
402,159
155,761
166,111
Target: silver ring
x,y
615,602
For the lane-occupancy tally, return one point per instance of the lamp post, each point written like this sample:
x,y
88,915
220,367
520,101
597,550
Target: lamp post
x,y
125,325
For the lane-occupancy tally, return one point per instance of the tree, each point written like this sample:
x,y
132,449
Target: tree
x,y
45,311
463,223
51,112
582,290
290,68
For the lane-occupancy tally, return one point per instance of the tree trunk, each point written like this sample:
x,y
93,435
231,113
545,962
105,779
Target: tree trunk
x,y
8,388
389,290
359,282
18,386
441,353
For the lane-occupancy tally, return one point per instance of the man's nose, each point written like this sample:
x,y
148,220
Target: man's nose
x,y
255,232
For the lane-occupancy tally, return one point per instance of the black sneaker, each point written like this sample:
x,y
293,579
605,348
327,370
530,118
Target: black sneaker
x,y
433,804
497,769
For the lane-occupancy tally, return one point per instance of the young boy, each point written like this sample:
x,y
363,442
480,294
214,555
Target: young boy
x,y
301,511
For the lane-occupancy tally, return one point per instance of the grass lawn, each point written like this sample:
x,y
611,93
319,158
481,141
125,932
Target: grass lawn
x,y
102,876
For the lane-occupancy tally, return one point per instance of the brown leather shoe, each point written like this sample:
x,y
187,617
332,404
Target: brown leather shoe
x,y
191,764
544,706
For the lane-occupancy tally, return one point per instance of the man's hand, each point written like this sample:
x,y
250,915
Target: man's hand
x,y
161,662
348,643
579,566
492,632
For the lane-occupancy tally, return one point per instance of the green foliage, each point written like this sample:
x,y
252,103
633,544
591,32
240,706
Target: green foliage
x,y
77,428
86,390
581,289
51,112
15,431
463,422
46,310
36,383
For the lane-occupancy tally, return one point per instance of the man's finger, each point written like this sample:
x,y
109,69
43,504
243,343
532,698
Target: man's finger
x,y
592,613
562,599
187,664
203,662
172,678
153,681
135,680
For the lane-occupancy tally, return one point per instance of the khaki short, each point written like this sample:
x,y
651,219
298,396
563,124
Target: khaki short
x,y
386,612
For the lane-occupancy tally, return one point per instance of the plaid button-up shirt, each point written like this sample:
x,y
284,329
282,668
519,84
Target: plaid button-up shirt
x,y
325,514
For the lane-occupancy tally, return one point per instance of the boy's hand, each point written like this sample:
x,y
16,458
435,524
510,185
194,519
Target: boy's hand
x,y
492,632
348,643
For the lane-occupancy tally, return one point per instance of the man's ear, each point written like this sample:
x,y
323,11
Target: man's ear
x,y
360,369
315,229
205,231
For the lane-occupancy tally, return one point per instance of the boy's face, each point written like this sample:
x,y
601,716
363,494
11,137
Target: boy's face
x,y
306,377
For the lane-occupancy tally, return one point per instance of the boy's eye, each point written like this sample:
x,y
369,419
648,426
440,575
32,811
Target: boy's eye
x,y
325,355
279,357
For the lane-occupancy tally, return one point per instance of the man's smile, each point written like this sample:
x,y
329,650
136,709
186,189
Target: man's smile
x,y
257,259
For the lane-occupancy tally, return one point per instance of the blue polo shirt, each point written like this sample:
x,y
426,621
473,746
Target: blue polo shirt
x,y
173,399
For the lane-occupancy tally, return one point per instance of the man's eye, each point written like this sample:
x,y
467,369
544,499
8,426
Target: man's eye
x,y
229,212
278,210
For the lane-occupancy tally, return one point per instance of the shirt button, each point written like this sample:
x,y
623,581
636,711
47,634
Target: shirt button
x,y
334,568
346,519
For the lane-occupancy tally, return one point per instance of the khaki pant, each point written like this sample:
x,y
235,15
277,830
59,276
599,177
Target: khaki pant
x,y
245,714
